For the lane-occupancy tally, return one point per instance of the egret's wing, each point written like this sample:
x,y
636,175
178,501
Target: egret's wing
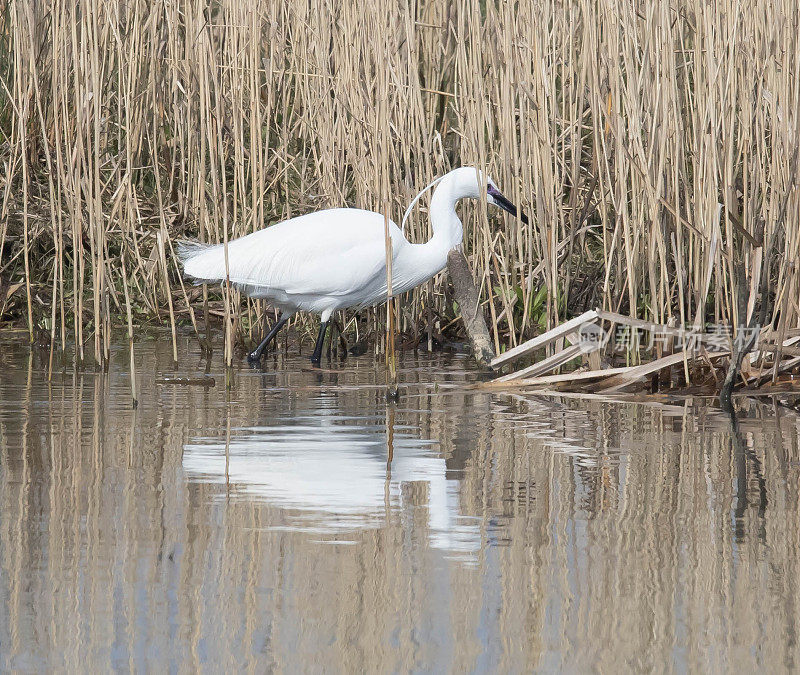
x,y
334,252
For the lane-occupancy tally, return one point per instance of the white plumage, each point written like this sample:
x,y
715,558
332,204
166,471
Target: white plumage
x,y
309,462
336,258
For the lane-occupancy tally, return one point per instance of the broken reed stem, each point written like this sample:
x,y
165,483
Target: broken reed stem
x,y
638,120
168,295
382,124
391,359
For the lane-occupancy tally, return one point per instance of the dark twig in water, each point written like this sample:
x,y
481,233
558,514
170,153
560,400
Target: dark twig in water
x,y
187,381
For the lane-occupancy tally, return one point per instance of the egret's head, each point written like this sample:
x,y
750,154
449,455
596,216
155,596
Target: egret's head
x,y
494,196
468,182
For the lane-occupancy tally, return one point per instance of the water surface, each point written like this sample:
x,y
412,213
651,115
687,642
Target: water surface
x,y
299,522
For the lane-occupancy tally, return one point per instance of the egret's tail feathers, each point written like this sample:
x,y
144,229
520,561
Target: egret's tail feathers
x,y
187,249
188,252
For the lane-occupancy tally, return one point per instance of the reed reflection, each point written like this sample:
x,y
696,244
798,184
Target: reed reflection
x,y
747,464
507,532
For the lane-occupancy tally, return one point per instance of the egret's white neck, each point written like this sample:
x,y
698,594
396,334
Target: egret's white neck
x,y
419,262
447,229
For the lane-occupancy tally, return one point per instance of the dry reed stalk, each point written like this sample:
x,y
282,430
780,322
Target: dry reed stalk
x,y
165,270
120,122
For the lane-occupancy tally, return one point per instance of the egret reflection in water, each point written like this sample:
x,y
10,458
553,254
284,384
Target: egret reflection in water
x,y
332,474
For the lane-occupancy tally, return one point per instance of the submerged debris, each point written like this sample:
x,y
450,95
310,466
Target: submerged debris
x,y
680,358
187,381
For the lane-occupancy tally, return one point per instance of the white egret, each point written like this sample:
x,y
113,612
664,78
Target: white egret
x,y
336,258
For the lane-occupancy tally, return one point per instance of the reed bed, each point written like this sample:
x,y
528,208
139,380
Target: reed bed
x,y
654,143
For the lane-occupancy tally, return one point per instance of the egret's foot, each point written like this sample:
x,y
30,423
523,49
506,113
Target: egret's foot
x,y
315,362
254,359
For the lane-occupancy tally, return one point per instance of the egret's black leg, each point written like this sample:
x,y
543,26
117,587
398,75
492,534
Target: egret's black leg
x,y
255,355
316,357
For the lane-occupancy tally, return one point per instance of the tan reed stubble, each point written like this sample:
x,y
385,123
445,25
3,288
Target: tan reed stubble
x,y
183,118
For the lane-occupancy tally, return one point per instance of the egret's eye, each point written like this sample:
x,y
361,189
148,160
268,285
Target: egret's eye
x,y
492,190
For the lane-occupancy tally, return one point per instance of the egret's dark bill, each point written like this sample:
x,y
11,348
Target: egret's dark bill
x,y
505,204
